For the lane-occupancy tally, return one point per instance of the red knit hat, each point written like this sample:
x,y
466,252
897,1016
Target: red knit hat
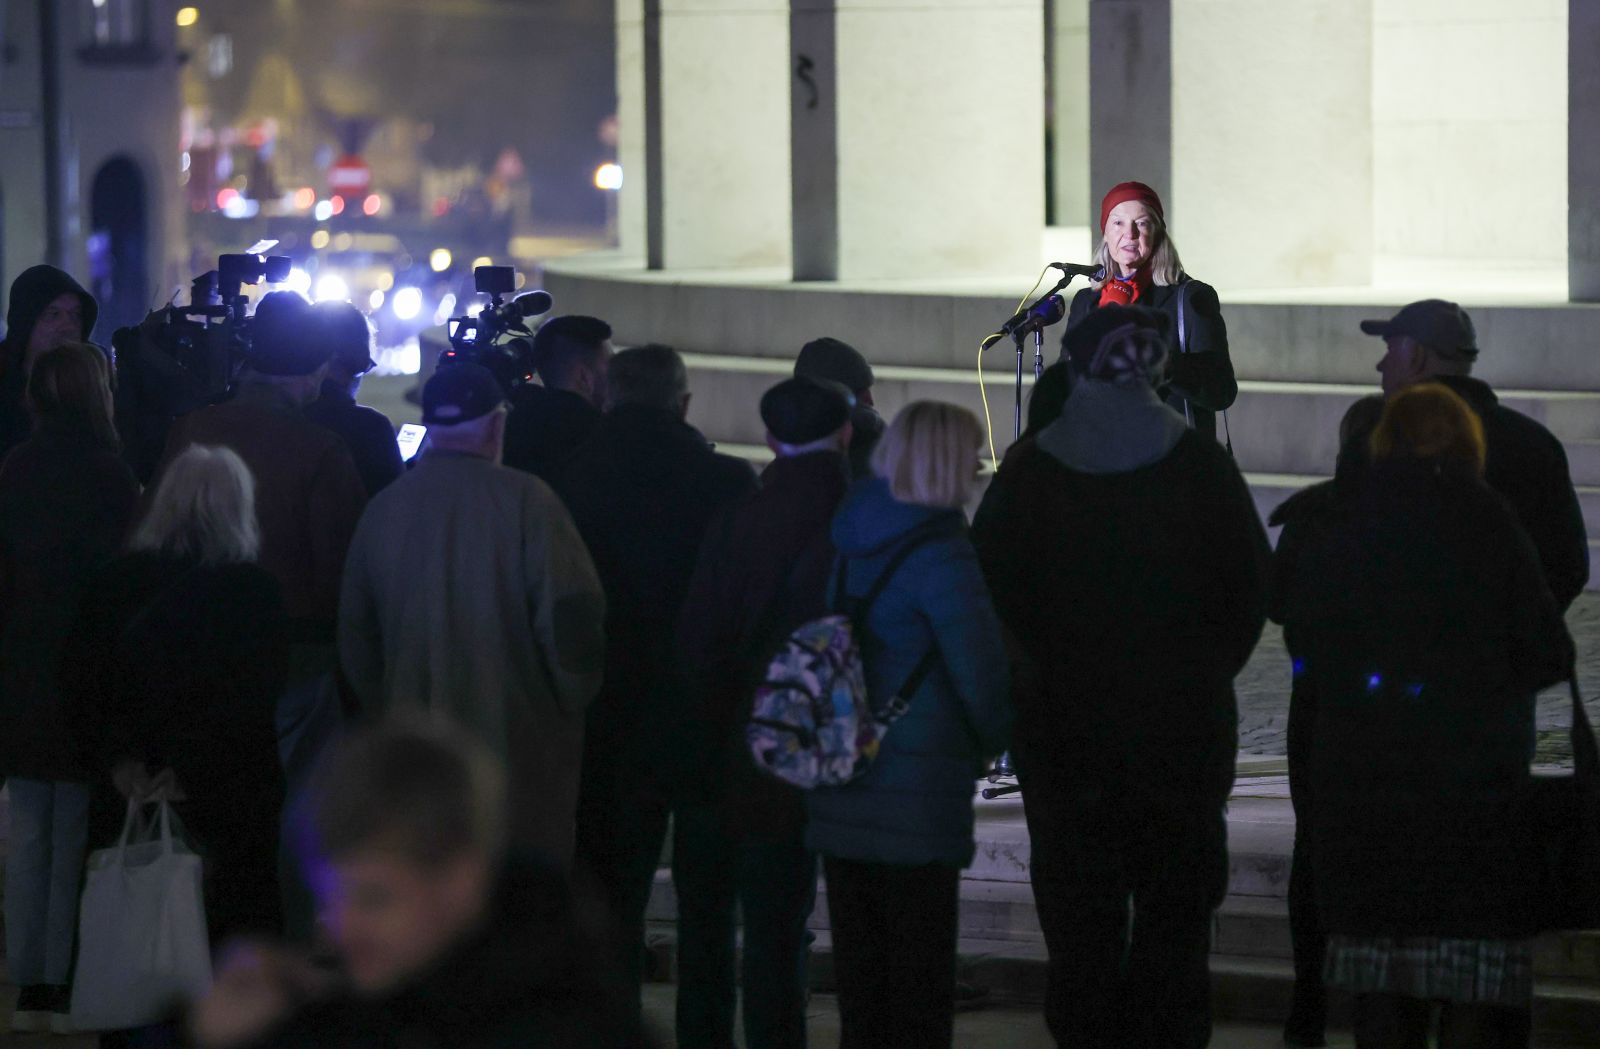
x,y
1123,192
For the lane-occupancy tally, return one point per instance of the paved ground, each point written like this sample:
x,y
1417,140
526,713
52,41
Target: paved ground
x,y
1264,690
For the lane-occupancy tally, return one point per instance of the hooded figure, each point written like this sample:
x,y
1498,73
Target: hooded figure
x,y
35,322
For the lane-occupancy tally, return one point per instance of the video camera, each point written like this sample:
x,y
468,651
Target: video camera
x,y
184,357
497,337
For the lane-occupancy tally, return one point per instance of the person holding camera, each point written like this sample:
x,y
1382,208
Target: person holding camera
x,y
550,422
309,496
468,593
367,432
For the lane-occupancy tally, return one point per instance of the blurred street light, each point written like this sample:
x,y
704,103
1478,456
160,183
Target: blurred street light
x,y
188,16
608,177
439,260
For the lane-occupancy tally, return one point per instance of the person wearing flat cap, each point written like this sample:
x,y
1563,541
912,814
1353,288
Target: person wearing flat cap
x,y
1129,626
762,571
1435,341
468,594
1139,266
833,360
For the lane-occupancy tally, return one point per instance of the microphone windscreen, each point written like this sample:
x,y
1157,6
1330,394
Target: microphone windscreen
x,y
534,303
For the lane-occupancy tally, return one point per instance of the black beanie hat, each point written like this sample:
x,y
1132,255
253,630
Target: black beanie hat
x,y
802,410
837,361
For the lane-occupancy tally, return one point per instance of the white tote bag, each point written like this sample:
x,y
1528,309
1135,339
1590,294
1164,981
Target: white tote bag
x,y
142,947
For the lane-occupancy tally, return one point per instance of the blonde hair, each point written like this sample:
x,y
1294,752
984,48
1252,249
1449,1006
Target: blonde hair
x,y
1430,421
70,389
204,509
1165,266
929,454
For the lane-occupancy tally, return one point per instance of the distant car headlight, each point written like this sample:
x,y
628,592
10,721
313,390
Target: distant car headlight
x,y
407,303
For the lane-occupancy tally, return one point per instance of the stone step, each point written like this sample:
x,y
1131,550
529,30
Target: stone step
x,y
1566,1011
1277,427
940,322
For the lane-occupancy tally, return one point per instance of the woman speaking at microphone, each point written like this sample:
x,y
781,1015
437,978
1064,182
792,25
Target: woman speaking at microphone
x,y
1139,267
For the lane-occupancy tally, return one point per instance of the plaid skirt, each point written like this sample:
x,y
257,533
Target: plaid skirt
x,y
1490,972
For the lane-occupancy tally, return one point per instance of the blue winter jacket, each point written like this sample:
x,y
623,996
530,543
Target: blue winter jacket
x,y
914,805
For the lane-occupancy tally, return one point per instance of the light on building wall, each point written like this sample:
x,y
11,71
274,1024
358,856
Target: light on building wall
x,y
439,260
187,16
608,177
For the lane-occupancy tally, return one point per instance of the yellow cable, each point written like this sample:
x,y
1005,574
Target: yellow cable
x,y
983,390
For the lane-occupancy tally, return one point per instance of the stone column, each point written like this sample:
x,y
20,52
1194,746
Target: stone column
x,y
1272,169
918,137
1130,99
716,108
630,128
1069,124
1583,151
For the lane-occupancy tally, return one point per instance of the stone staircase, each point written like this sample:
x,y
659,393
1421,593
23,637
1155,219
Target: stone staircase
x,y
1285,434
1002,948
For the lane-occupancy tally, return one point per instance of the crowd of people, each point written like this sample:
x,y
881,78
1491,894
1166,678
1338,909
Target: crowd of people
x,y
431,728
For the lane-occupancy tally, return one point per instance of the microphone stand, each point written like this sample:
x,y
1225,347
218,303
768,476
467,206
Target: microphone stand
x,y
1003,766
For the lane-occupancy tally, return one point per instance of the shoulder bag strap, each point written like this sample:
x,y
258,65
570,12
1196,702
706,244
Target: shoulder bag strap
x,y
1183,347
897,704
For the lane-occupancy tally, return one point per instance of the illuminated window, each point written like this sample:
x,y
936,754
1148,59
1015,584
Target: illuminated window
x,y
115,31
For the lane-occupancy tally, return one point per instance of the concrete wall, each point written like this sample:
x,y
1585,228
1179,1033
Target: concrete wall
x,y
1271,140
107,111
1469,131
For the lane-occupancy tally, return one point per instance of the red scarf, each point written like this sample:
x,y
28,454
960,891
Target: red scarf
x,y
1125,291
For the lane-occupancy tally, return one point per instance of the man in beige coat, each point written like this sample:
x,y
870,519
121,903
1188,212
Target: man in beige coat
x,y
469,595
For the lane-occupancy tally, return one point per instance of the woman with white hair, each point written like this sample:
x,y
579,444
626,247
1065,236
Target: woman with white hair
x,y
1139,266
173,669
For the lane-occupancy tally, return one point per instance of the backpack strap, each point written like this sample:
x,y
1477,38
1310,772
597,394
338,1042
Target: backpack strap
x,y
919,536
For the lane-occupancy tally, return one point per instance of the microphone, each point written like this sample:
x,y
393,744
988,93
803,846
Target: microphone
x,y
1076,269
1047,311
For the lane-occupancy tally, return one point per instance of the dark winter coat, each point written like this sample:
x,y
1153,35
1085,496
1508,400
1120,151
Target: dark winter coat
x,y
1134,598
1425,627
642,493
65,506
33,290
1201,379
527,980
1528,466
763,571
179,665
546,428
367,432
914,805
308,496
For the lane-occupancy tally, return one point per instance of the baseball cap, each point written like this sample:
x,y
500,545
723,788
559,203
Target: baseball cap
x,y
803,409
1442,326
460,393
827,358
